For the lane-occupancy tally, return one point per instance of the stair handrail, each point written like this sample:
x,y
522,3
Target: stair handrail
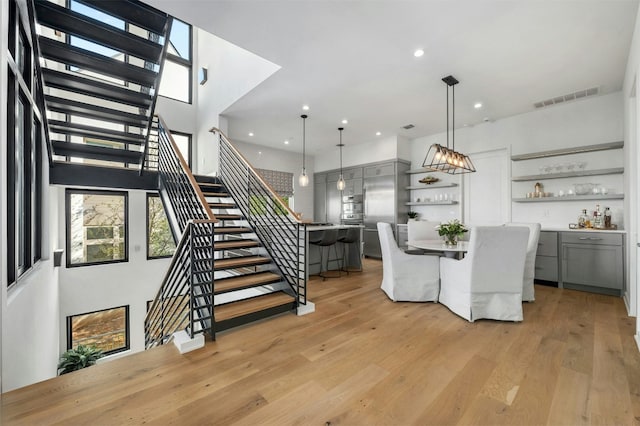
x,y
156,90
197,202
284,240
166,314
40,80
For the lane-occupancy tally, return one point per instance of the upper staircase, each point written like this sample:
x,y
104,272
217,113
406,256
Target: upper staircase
x,y
101,73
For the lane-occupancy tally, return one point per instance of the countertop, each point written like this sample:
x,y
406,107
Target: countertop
x,y
323,227
610,231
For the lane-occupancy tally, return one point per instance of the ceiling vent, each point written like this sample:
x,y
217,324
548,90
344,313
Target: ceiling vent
x,y
408,126
569,97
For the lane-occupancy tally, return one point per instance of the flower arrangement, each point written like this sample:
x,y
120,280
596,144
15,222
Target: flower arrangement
x,y
451,231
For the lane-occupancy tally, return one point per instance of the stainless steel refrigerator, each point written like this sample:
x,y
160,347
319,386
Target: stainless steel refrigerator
x,y
385,197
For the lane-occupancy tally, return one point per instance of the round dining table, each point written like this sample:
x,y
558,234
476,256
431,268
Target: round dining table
x,y
439,245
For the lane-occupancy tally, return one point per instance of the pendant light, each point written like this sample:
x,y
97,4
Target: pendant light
x,y
445,159
341,183
304,179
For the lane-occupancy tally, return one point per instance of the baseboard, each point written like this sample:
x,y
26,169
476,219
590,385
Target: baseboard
x,y
310,307
185,343
637,337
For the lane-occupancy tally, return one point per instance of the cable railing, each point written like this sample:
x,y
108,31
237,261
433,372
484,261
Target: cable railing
x,y
280,231
185,300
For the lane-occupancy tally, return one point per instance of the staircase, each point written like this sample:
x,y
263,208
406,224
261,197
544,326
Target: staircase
x,y
102,66
231,266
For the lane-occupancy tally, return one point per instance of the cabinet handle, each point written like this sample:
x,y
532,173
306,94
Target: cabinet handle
x,y
594,239
583,238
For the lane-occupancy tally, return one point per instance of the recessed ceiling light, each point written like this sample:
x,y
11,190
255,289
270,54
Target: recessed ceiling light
x,y
305,107
418,53
345,121
477,105
250,133
259,152
378,133
286,142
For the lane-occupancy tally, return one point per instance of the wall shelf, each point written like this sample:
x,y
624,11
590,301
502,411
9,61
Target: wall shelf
x,y
433,185
612,171
431,203
414,171
569,198
568,151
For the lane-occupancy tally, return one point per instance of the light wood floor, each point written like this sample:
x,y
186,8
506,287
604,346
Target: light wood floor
x,y
361,359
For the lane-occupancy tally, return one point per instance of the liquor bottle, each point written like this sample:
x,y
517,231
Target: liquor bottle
x,y
598,220
607,217
583,219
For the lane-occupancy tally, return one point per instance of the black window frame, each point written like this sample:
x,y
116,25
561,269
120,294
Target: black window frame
x,y
155,195
181,61
67,214
127,329
24,213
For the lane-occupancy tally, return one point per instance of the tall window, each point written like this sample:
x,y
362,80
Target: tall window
x,y
176,74
24,153
159,237
183,140
96,227
107,330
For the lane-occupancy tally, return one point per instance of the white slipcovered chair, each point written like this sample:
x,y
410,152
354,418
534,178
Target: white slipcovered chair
x,y
487,283
528,290
407,278
421,230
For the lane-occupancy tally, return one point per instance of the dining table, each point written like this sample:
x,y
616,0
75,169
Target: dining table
x,y
439,245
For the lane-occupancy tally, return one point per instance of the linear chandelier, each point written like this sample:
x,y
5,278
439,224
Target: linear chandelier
x,y
303,180
444,159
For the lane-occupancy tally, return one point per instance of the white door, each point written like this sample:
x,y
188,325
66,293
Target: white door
x,y
487,192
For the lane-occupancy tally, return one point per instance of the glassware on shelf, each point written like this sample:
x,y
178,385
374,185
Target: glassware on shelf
x,y
581,165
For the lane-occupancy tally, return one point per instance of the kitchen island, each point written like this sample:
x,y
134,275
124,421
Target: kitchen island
x,y
332,257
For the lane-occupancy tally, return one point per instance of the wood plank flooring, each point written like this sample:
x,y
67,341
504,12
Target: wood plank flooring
x,y
361,359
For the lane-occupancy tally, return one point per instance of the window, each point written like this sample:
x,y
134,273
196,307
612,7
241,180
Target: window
x,y
107,330
183,140
160,241
24,154
177,74
96,227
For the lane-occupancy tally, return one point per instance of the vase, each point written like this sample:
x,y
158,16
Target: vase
x,y
451,240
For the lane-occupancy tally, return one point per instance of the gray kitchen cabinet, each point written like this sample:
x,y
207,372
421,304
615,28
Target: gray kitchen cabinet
x,y
402,235
334,202
547,257
320,198
593,261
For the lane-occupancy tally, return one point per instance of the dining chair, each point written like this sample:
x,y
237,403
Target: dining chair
x,y
407,278
528,290
487,283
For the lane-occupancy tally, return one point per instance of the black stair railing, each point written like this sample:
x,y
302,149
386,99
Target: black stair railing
x,y
185,300
280,231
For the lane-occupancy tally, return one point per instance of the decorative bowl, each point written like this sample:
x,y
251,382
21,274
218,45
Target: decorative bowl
x,y
429,180
583,188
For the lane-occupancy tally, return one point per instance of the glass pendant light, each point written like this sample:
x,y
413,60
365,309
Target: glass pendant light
x,y
341,183
303,180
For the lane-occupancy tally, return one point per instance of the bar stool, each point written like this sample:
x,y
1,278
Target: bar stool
x,y
327,238
347,239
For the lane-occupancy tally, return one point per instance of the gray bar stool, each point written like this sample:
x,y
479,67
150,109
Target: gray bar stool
x,y
326,238
347,239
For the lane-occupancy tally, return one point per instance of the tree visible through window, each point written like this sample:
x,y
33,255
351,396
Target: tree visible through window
x,y
96,227
160,241
107,330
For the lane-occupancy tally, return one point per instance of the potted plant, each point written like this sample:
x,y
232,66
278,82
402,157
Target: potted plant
x,y
412,215
451,231
78,358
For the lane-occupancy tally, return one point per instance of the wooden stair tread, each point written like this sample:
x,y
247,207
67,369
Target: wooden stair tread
x,y
249,306
226,245
232,230
226,216
239,262
209,185
222,205
243,281
216,194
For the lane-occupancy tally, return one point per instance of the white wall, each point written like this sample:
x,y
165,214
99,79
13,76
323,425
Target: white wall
x,y
355,154
90,288
263,157
632,118
587,122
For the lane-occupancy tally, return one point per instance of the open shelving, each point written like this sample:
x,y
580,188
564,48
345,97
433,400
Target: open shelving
x,y
569,151
431,203
599,172
432,185
569,198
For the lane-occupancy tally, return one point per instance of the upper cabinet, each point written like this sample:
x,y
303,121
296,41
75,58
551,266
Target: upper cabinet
x,y
571,174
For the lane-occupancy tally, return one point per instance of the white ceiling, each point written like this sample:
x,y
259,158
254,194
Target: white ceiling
x,y
354,59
